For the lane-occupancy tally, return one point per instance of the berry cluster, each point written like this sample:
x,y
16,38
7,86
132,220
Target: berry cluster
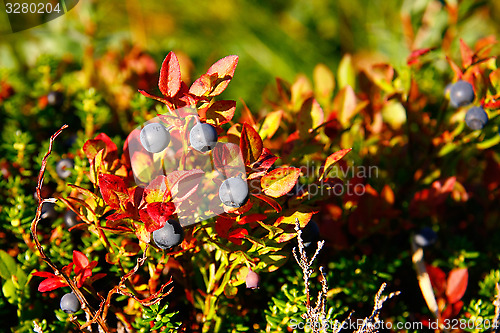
x,y
462,94
233,192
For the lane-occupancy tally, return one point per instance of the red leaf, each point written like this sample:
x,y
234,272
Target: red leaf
x,y
334,158
44,274
228,159
466,53
457,284
148,95
265,161
224,68
111,186
159,212
182,184
456,69
80,260
438,278
170,76
252,218
51,284
279,181
273,203
222,225
413,57
251,144
236,235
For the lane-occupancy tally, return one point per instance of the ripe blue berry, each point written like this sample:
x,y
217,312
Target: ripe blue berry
x,y
168,236
203,137
252,280
425,237
69,303
476,118
233,192
48,212
310,234
154,137
63,168
55,98
70,219
461,93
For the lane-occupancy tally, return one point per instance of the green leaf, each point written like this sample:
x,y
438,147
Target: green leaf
x,y
9,291
271,124
8,266
346,75
324,82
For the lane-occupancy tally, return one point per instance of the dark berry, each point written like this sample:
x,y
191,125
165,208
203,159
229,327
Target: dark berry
x,y
310,234
70,219
252,280
63,168
154,137
168,236
476,118
48,211
203,137
233,192
425,237
55,98
69,303
461,93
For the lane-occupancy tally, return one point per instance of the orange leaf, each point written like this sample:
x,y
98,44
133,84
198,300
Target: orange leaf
x,y
466,53
457,284
250,143
224,68
334,158
279,181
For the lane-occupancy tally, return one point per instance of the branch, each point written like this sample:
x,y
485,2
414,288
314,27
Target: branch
x,y
34,224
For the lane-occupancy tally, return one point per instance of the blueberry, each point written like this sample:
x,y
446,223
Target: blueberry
x,y
310,234
168,236
203,137
70,219
476,118
69,303
461,93
55,98
154,137
252,280
63,168
425,237
48,211
233,192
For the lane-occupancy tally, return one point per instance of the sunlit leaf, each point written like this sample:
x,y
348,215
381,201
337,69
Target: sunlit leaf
x,y
280,181
251,144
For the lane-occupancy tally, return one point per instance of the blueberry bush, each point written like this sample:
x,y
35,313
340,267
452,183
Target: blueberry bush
x,y
357,188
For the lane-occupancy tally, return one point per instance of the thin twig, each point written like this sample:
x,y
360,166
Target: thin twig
x,y
34,224
370,323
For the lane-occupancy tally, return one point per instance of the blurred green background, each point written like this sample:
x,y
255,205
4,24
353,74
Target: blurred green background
x,y
272,38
